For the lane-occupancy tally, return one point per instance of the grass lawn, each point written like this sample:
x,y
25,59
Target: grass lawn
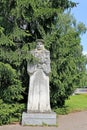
x,y
77,103
73,104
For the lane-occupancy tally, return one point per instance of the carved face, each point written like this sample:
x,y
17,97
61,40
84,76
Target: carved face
x,y
40,45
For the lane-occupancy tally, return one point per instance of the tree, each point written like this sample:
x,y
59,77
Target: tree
x,y
10,94
68,62
10,85
22,22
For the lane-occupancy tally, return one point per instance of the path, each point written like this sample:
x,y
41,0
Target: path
x,y
72,121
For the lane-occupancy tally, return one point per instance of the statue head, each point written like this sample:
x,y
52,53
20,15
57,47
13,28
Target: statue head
x,y
40,44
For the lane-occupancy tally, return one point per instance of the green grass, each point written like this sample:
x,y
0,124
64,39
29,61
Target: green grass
x,y
77,103
73,104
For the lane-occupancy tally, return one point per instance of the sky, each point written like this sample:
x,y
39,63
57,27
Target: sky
x,y
80,13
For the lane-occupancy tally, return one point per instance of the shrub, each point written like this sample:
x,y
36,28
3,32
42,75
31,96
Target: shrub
x,y
10,112
10,85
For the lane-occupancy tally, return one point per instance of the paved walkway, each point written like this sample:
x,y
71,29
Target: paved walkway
x,y
72,121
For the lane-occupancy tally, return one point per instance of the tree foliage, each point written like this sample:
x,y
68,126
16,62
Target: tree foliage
x,y
10,85
24,21
68,62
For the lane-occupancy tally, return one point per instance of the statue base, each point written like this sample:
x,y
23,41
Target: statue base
x,y
39,118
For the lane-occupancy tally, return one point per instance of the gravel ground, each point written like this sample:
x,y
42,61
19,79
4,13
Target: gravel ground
x,y
72,121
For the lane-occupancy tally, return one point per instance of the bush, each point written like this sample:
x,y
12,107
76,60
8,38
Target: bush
x,y
10,85
10,112
62,111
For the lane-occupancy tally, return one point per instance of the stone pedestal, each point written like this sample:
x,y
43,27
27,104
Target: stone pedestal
x,y
39,118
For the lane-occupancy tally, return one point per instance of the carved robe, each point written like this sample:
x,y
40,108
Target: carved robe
x,y
38,97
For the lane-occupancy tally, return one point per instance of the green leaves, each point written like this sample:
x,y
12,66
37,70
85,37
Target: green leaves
x,y
18,34
10,112
67,60
10,85
24,21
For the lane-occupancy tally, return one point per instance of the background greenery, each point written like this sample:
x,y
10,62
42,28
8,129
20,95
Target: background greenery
x,y
21,23
74,104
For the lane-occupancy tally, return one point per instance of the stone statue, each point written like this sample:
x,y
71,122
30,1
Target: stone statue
x,y
38,106
38,96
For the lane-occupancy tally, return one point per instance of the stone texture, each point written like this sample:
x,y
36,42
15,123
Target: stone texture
x,y
39,93
39,118
38,106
